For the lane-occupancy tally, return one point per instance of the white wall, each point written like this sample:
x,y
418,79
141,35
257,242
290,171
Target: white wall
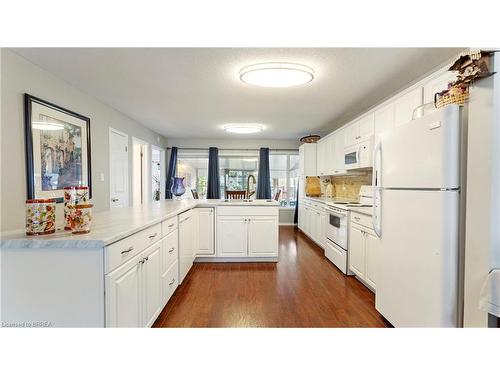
x,y
21,76
482,235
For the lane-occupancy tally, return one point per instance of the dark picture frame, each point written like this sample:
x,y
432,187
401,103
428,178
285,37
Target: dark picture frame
x,y
79,125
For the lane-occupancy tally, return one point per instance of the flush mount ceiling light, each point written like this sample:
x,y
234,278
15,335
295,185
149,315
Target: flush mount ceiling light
x,y
276,74
47,125
243,128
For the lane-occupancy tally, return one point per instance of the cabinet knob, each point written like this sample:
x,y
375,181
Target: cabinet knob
x,y
170,283
171,250
152,236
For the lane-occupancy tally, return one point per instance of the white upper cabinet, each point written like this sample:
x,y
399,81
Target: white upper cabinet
x,y
338,151
366,127
321,161
405,105
437,85
325,150
359,130
384,120
307,159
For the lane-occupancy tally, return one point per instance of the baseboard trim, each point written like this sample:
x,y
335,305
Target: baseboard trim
x,y
235,259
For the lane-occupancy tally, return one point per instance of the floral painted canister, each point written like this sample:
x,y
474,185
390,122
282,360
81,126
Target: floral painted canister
x,y
73,195
81,218
40,216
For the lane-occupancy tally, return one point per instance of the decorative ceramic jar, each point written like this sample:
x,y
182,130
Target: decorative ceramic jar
x,y
73,195
178,188
81,218
40,216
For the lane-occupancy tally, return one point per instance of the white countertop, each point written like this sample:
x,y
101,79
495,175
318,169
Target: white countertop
x,y
113,225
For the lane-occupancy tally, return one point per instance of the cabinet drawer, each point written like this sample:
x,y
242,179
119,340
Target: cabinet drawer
x,y
247,211
170,281
123,250
169,225
361,219
170,249
337,256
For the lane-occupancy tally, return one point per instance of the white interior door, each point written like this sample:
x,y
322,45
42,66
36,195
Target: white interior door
x,y
118,169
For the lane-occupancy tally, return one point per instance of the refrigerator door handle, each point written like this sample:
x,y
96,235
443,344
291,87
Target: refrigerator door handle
x,y
377,197
376,174
377,209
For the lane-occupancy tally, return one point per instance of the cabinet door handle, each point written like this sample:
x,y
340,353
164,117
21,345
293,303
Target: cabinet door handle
x,y
142,261
147,258
171,225
357,218
128,250
170,283
171,250
152,236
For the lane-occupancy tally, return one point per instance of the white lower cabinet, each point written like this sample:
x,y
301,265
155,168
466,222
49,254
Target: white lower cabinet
x,y
134,290
232,236
372,250
205,221
262,236
363,249
124,297
357,251
254,233
313,221
151,284
187,241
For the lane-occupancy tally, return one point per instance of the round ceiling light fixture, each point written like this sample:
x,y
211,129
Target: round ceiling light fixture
x,y
277,74
243,128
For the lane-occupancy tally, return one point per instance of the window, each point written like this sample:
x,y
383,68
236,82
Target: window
x,y
284,177
239,172
194,169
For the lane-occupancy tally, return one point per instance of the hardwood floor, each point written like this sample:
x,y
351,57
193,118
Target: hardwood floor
x,y
302,290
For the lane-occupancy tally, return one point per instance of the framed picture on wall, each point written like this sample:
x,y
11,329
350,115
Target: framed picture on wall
x,y
57,149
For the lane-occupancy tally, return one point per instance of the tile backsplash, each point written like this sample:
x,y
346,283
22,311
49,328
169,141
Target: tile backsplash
x,y
346,187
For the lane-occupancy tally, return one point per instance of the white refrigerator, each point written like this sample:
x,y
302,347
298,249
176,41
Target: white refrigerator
x,y
416,181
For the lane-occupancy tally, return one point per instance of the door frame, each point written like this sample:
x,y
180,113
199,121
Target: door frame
x,y
163,177
145,184
113,130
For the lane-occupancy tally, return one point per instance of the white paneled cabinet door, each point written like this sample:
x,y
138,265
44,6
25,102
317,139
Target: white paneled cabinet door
x,y
351,134
338,151
320,158
151,277
437,85
322,225
317,227
371,253
366,127
405,105
357,251
123,300
205,231
186,241
262,236
232,236
384,121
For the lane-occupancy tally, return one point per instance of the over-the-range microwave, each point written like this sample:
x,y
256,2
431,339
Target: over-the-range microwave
x,y
359,155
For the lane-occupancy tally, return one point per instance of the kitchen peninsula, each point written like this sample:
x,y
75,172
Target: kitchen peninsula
x,y
126,269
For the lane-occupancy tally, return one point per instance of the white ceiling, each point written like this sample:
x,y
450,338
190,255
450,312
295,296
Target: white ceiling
x,y
190,92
